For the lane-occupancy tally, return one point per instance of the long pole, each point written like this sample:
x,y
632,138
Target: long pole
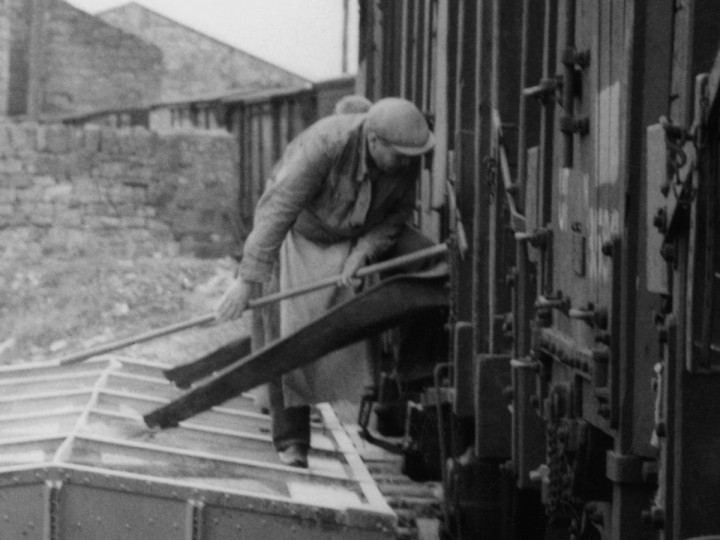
x,y
397,262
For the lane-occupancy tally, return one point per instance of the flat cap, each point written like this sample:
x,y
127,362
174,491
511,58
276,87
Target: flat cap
x,y
399,123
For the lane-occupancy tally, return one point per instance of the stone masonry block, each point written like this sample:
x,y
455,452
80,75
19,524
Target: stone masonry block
x,y
124,210
92,137
136,181
77,139
31,196
139,194
92,222
58,139
21,180
110,142
8,195
147,211
11,166
5,141
113,169
61,194
23,137
44,209
68,218
47,164
133,222
156,225
14,219
127,143
145,140
85,197
120,194
41,142
44,181
40,220
79,163
109,222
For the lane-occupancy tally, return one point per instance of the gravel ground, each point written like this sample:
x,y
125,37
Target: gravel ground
x,y
58,298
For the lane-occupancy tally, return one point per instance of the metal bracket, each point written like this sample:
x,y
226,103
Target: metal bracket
x,y
625,468
572,124
555,301
571,57
539,238
544,89
595,317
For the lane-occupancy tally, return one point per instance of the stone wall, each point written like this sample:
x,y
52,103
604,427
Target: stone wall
x,y
149,190
196,64
83,64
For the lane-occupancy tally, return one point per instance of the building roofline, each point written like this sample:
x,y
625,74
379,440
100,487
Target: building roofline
x,y
335,81
140,39
196,31
238,96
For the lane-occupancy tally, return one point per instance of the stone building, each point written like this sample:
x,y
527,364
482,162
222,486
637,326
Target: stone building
x,y
195,64
57,60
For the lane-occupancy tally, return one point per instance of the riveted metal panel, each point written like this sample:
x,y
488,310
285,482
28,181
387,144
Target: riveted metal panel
x,y
222,523
85,466
89,513
21,510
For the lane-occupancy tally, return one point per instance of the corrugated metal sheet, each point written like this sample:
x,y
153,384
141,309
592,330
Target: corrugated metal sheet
x,y
77,462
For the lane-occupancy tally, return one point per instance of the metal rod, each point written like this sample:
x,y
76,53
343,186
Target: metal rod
x,y
416,256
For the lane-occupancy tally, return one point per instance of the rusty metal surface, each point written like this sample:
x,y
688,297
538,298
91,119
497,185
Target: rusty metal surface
x,y
77,462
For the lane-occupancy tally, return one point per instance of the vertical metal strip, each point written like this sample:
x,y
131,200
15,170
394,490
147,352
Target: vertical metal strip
x,y
522,113
482,122
546,145
709,179
426,55
416,49
194,520
442,119
568,92
404,48
51,494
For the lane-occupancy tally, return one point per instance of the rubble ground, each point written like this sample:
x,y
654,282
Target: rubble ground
x,y
57,297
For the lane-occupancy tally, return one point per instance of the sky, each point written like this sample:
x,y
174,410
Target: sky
x,y
302,36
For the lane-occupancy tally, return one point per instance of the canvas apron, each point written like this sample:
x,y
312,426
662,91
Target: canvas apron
x,y
342,374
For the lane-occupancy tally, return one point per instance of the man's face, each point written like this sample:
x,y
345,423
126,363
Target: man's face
x,y
385,156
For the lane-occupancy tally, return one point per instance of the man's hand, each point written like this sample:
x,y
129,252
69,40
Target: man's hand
x,y
355,261
234,301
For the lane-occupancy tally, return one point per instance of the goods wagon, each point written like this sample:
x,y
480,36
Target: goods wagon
x,y
78,462
577,160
